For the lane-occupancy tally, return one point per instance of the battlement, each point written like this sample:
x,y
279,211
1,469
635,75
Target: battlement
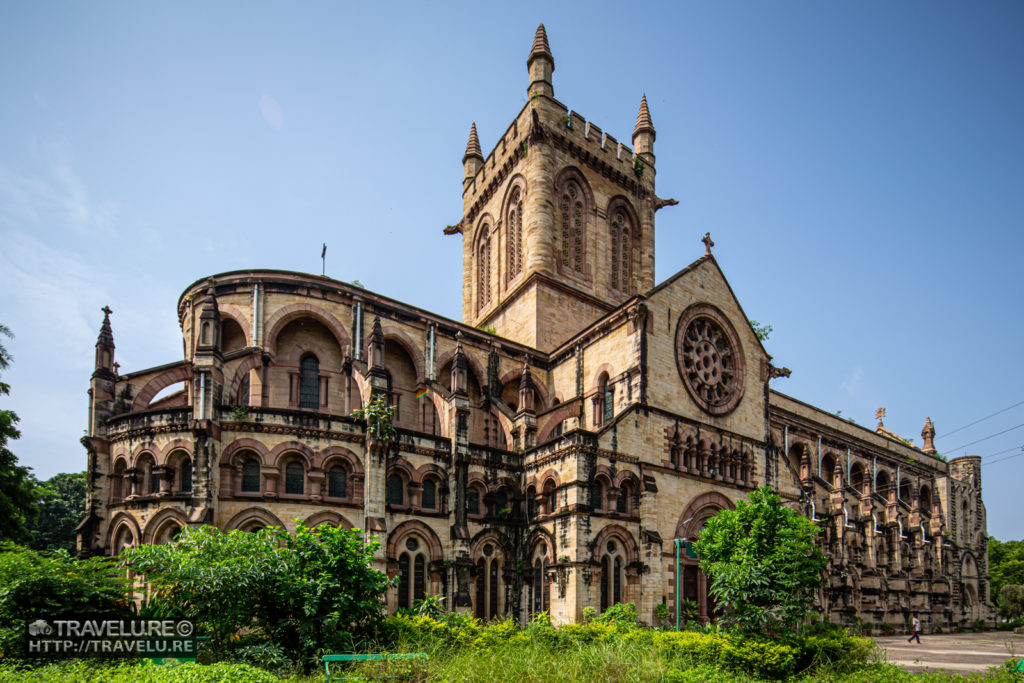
x,y
562,128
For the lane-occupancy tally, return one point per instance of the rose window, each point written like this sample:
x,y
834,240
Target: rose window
x,y
709,359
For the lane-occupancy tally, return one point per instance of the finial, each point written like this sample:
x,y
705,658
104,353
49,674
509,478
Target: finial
x,y
106,312
473,146
541,47
706,239
879,414
928,434
643,119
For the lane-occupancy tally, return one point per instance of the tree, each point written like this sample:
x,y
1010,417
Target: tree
x,y
61,501
17,502
1005,564
1011,601
763,561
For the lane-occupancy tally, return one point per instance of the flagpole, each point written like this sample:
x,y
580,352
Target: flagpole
x,y
323,260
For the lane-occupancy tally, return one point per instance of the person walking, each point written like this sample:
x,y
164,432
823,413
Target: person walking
x,y
916,633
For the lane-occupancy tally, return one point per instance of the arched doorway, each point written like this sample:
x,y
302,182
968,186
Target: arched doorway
x,y
693,583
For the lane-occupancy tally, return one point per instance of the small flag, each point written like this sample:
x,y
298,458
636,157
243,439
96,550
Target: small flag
x,y
423,392
323,252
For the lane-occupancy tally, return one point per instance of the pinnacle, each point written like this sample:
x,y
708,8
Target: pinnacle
x,y
473,145
643,118
540,45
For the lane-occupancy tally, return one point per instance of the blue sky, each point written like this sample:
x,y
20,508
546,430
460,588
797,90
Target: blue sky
x,y
859,165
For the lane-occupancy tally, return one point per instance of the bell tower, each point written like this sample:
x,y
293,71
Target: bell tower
x,y
558,219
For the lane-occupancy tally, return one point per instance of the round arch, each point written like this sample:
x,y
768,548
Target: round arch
x,y
250,517
286,314
414,527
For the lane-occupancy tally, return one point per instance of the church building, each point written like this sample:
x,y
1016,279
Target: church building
x,y
552,445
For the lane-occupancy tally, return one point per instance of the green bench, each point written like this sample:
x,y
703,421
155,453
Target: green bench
x,y
371,657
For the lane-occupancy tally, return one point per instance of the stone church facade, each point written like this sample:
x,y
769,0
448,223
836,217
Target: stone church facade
x,y
552,444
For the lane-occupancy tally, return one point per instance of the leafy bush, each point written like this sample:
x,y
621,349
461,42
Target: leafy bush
x,y
311,591
35,584
620,613
267,656
616,631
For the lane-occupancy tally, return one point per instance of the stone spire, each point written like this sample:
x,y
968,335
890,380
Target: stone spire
x,y
643,134
105,346
473,159
473,145
928,434
541,64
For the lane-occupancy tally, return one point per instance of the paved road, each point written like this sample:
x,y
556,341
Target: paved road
x,y
955,652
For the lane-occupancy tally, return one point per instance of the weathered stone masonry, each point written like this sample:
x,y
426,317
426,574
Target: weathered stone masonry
x,y
545,466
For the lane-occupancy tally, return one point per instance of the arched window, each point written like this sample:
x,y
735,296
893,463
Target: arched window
x,y
186,475
251,476
541,589
483,265
294,478
412,572
625,493
429,495
337,480
572,215
473,501
117,482
550,497
396,490
828,466
515,234
488,583
612,569
606,399
309,383
925,498
621,266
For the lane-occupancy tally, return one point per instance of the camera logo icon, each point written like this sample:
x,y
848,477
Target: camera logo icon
x,y
39,627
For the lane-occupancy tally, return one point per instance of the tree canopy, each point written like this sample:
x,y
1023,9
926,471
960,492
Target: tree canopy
x,y
61,502
763,561
17,502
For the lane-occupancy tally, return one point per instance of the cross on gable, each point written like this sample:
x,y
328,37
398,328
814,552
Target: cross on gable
x,y
879,414
706,239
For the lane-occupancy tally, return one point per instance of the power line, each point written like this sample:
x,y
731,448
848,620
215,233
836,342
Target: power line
x,y
1009,457
990,436
945,434
992,455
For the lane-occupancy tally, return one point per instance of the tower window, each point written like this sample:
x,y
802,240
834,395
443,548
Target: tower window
x,y
294,478
483,281
309,383
336,482
396,495
621,270
515,234
251,476
429,495
186,475
571,208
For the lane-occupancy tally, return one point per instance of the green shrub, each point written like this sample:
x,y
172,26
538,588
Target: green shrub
x,y
97,671
267,656
37,584
619,613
